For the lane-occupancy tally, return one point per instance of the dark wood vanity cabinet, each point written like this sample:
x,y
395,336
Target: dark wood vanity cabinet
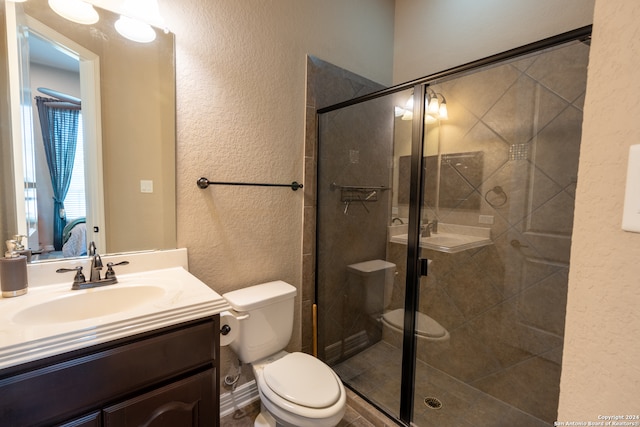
x,y
163,378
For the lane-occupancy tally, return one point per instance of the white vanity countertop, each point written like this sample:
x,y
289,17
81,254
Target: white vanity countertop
x,y
450,238
123,309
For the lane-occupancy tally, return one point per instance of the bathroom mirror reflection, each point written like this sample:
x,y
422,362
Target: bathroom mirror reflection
x,y
449,184
129,133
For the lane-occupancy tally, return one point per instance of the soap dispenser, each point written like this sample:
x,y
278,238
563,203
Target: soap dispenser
x,y
19,247
13,271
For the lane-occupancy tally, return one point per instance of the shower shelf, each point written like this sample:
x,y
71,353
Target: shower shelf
x,y
204,183
335,186
358,193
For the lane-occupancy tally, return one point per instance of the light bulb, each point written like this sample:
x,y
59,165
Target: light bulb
x,y
408,109
75,10
434,105
146,11
135,30
428,118
443,114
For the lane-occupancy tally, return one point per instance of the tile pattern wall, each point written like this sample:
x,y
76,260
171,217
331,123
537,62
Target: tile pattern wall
x,y
327,85
504,304
351,232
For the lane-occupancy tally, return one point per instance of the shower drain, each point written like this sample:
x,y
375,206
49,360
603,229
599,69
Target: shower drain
x,y
432,403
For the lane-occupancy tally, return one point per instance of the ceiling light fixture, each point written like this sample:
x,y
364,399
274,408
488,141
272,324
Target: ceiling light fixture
x,y
76,11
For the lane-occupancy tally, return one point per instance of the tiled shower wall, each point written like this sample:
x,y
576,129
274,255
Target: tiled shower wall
x,y
326,85
504,304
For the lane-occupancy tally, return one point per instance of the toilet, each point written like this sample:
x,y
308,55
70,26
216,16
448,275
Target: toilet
x,y
374,281
296,389
427,330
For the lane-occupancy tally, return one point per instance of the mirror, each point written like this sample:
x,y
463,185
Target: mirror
x,y
130,167
451,185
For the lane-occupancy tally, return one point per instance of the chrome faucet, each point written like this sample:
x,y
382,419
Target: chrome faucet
x,y
429,227
79,281
96,263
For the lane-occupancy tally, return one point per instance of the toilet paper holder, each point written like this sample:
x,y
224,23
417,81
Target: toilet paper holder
x,y
229,326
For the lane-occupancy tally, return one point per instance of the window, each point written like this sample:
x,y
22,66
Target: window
x,y
75,202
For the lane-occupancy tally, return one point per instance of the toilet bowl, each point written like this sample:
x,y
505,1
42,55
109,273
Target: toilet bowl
x,y
319,400
296,389
431,335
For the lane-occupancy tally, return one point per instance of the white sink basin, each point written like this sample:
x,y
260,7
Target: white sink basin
x,y
53,319
451,238
90,303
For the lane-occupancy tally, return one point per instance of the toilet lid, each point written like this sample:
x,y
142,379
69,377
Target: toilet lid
x,y
302,379
427,327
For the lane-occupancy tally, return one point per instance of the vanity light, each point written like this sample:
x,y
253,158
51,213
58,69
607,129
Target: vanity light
x,y
434,105
136,20
436,108
76,11
408,109
135,30
442,112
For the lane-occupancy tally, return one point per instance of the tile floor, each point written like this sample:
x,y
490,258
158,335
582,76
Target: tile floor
x,y
359,414
375,372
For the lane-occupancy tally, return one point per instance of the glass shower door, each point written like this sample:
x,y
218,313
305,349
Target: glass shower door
x,y
360,280
485,193
502,185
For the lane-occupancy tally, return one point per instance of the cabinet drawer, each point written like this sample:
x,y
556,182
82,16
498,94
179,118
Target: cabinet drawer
x,y
59,392
91,420
182,404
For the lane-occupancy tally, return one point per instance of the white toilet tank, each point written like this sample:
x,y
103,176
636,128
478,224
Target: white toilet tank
x,y
374,280
265,319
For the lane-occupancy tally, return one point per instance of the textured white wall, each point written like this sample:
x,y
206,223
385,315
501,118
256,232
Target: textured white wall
x,y
240,89
240,117
600,370
241,70
435,35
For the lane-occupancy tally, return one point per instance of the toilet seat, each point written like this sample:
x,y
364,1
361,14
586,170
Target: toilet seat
x,y
293,413
426,326
302,380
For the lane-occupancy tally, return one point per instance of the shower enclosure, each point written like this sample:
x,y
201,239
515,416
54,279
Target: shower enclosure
x,y
444,221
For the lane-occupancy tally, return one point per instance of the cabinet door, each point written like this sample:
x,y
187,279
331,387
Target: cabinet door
x,y
185,403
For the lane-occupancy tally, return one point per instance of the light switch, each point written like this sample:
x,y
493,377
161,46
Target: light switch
x,y
146,186
631,215
485,219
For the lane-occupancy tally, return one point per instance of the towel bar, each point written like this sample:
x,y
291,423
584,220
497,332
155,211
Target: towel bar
x,y
204,183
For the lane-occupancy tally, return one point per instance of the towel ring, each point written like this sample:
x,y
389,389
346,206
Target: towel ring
x,y
499,192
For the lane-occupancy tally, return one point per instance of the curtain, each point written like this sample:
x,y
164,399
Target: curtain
x,y
59,124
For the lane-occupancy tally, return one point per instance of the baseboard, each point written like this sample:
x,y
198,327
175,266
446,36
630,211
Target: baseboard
x,y
242,396
341,349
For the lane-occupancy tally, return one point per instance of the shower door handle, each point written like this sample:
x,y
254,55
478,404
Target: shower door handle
x,y
424,266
